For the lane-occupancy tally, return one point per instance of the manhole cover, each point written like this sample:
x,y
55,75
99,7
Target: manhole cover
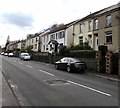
x,y
57,82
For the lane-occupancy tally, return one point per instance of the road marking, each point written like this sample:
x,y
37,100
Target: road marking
x,y
14,60
46,72
20,63
29,66
98,91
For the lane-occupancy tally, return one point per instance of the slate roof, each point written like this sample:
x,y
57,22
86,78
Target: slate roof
x,y
100,12
113,7
63,27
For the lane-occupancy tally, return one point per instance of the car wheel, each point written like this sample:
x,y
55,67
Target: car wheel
x,y
56,66
68,69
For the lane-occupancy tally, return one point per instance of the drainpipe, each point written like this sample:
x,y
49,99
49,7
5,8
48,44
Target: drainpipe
x,y
73,33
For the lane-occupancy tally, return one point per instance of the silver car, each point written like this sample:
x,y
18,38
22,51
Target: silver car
x,y
24,56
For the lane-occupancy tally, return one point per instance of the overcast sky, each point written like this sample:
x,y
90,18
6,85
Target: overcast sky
x,y
21,17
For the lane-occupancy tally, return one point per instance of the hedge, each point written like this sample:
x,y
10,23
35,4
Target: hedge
x,y
83,53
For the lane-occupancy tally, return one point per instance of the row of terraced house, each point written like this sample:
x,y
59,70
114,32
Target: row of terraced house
x,y
98,28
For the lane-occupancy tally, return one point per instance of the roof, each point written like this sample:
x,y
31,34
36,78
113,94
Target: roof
x,y
100,12
62,27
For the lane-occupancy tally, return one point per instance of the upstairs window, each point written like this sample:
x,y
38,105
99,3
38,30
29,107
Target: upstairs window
x,y
81,28
36,39
90,25
47,38
52,37
32,40
56,35
44,39
108,20
96,24
61,35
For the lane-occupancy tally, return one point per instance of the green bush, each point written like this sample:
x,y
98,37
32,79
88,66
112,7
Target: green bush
x,y
84,46
64,51
77,47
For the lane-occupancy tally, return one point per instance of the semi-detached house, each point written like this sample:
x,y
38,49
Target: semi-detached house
x,y
57,37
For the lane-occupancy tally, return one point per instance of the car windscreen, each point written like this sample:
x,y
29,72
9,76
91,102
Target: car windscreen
x,y
25,54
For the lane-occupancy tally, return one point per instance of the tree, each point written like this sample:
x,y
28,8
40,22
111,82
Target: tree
x,y
7,42
29,48
0,48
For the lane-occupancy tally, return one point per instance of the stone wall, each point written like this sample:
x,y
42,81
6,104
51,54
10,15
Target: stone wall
x,y
119,65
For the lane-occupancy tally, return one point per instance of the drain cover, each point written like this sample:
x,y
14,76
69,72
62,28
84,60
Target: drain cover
x,y
57,82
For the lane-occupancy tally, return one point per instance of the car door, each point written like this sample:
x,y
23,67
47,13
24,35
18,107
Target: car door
x,y
63,63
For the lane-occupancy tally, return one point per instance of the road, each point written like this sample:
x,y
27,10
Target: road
x,y
40,84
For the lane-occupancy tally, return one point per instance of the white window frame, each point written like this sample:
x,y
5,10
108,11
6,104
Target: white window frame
x,y
108,20
90,26
96,24
108,36
81,28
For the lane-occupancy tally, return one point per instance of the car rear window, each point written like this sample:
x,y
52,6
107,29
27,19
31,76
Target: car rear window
x,y
76,60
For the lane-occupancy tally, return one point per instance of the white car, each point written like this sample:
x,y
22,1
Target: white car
x,y
2,53
24,56
5,54
10,54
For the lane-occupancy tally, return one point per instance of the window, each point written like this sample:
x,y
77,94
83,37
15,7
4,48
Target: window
x,y
44,39
52,37
36,39
32,40
61,34
81,28
81,40
108,37
96,24
51,47
90,26
108,21
35,46
47,38
56,35
44,47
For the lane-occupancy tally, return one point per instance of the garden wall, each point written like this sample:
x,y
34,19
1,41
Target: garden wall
x,y
87,56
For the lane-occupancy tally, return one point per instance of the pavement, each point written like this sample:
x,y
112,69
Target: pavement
x,y
8,97
115,78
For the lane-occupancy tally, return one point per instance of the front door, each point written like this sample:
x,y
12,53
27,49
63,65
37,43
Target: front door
x,y
96,42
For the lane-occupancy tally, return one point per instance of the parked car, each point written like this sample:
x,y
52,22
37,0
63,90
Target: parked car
x,y
2,53
24,56
70,64
10,55
5,54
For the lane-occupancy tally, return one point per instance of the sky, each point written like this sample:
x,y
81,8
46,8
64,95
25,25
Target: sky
x,y
21,17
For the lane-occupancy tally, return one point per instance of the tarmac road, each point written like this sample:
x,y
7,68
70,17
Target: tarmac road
x,y
40,84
